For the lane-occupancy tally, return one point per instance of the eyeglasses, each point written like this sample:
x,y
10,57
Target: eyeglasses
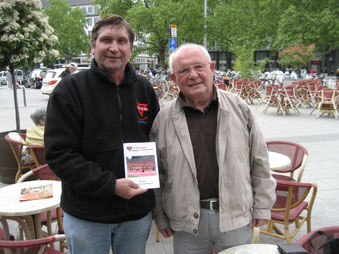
x,y
199,67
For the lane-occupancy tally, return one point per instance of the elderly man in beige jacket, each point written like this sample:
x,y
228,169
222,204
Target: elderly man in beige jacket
x,y
213,162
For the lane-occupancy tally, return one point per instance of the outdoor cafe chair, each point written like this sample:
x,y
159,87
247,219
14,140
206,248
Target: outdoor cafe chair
x,y
318,239
297,154
45,173
16,147
272,99
254,91
290,100
317,98
327,103
38,154
31,246
294,203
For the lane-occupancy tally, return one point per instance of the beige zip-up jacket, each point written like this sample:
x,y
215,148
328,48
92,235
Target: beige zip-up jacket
x,y
246,187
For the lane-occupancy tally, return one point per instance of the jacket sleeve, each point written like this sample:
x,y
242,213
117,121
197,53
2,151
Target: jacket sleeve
x,y
63,150
159,215
263,184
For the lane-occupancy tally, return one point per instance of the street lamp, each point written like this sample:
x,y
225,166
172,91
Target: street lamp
x,y
205,14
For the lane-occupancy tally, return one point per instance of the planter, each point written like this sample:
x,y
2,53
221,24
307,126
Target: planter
x,y
8,165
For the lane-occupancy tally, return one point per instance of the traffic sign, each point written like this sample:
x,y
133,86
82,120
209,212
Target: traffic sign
x,y
173,30
172,44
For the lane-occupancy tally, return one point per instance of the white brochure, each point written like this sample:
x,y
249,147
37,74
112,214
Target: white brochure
x,y
141,164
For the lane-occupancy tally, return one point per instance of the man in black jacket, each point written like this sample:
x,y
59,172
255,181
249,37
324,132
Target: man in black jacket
x,y
89,117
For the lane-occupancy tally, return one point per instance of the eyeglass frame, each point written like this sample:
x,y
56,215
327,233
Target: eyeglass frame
x,y
189,68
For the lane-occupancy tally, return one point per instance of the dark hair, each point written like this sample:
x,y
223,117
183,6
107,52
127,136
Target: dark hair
x,y
114,20
38,115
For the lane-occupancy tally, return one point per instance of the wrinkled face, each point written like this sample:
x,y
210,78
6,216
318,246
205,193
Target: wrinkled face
x,y
193,73
112,49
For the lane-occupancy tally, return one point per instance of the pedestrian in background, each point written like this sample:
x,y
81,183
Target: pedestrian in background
x,y
213,162
90,115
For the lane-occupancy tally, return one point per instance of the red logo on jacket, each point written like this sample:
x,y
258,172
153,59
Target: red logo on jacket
x,y
142,107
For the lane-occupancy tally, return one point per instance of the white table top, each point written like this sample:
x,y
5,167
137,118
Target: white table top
x,y
11,206
254,248
279,161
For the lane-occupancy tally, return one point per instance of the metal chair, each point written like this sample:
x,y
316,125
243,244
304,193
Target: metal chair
x,y
292,201
318,240
16,147
298,155
31,246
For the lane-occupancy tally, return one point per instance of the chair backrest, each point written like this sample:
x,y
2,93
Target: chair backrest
x,y
296,152
291,194
43,172
328,93
318,240
30,246
16,145
38,155
290,91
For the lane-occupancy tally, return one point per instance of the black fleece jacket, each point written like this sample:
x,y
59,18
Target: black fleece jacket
x,y
89,118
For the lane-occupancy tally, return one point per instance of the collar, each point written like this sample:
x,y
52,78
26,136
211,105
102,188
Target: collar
x,y
130,76
183,103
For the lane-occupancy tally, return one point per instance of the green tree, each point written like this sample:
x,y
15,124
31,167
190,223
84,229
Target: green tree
x,y
68,24
296,55
151,20
307,22
26,38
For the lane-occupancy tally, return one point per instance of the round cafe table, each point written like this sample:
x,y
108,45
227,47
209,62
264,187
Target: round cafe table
x,y
279,161
27,213
254,248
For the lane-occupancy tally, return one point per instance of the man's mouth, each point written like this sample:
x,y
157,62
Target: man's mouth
x,y
195,84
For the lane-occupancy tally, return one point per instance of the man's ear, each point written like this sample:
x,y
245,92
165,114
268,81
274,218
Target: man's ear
x,y
172,76
212,65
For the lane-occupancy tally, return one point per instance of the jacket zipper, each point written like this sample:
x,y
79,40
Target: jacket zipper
x,y
120,116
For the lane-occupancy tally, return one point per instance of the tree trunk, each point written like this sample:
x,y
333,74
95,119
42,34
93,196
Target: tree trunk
x,y
17,117
162,57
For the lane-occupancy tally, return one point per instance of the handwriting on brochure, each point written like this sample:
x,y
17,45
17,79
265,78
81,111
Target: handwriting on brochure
x,y
141,164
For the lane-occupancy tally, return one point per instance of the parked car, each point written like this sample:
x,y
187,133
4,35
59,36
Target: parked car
x,y
51,80
19,76
34,78
3,78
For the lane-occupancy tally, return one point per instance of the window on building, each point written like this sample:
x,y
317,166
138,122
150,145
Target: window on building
x,y
90,9
96,9
89,22
96,20
83,9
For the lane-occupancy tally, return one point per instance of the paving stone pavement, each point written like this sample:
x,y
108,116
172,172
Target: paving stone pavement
x,y
319,136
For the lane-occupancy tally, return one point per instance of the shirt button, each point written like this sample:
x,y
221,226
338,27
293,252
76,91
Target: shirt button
x,y
196,215
195,231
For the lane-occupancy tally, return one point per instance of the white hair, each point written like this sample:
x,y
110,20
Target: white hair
x,y
183,46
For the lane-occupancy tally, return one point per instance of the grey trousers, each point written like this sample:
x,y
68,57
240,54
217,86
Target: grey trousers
x,y
209,235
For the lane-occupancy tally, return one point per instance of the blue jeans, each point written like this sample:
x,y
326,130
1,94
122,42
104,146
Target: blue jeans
x,y
209,235
86,237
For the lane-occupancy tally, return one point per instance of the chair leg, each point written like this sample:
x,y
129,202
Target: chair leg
x,y
156,233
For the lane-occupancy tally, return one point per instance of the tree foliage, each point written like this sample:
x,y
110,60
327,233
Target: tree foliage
x,y
26,38
240,27
296,55
68,24
25,35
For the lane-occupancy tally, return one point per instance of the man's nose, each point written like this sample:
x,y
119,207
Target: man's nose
x,y
113,46
192,73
